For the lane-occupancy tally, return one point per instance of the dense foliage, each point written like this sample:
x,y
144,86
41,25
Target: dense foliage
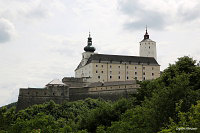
x,y
170,103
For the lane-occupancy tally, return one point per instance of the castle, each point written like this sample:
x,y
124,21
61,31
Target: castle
x,y
98,76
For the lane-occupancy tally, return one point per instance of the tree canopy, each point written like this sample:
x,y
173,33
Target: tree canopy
x,y
170,103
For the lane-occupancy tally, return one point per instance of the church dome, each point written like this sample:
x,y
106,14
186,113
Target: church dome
x,y
89,47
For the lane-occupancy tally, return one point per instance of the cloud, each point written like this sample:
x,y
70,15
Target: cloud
x,y
30,9
38,12
139,16
159,15
7,30
147,20
189,11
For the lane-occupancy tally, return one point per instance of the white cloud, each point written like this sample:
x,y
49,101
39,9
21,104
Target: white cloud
x,y
29,10
7,30
160,14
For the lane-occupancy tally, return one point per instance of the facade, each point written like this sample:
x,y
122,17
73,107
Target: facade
x,y
105,68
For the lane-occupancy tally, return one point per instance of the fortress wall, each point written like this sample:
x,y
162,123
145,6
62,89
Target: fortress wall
x,y
114,87
59,94
114,94
31,96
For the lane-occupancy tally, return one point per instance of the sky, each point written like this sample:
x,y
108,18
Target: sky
x,y
42,40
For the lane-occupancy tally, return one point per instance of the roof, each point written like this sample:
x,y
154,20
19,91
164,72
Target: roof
x,y
120,59
55,82
147,40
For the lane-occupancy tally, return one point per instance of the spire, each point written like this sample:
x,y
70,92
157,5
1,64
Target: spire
x,y
146,30
146,36
89,33
89,47
89,40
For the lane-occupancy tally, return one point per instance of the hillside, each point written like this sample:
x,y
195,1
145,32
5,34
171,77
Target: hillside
x,y
10,105
170,103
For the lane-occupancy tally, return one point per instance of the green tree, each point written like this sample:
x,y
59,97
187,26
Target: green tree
x,y
189,122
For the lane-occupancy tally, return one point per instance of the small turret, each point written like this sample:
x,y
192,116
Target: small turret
x,y
89,47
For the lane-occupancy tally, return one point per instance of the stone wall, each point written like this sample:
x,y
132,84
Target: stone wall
x,y
83,93
31,96
59,94
74,82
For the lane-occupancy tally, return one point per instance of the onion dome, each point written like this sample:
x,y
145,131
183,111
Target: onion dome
x,y
89,47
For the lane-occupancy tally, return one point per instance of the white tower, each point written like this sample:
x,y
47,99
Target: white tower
x,y
89,50
148,47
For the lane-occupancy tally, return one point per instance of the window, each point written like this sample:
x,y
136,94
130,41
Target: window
x,y
118,66
98,77
110,72
119,72
101,71
143,73
127,72
118,77
96,65
149,47
144,78
127,67
135,78
102,66
152,74
135,67
96,71
110,66
110,77
152,68
127,77
143,68
135,73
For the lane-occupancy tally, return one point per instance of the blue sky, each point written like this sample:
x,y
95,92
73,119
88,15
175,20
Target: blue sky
x,y
42,40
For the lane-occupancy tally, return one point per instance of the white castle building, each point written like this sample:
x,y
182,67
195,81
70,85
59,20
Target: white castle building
x,y
98,76
96,67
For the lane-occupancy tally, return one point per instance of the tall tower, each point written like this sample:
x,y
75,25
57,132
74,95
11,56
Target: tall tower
x,y
148,47
89,50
